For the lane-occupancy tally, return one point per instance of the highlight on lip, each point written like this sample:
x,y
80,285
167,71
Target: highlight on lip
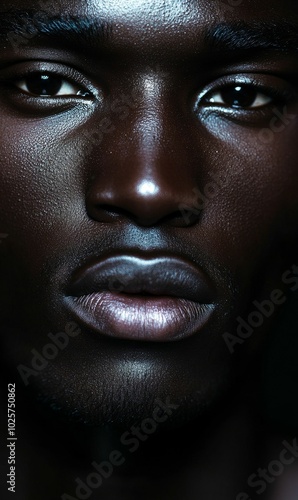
x,y
139,317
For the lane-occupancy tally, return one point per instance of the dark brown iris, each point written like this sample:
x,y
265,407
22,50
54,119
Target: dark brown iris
x,y
44,84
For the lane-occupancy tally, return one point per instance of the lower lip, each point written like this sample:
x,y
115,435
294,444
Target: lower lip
x,y
139,317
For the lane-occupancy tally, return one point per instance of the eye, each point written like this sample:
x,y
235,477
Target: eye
x,y
239,97
49,85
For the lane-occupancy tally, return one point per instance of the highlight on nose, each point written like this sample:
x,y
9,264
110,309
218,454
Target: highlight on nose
x,y
147,188
145,203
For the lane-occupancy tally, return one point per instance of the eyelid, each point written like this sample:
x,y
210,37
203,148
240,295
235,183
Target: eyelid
x,y
68,88
261,98
20,71
269,85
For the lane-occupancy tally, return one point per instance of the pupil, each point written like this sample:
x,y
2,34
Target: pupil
x,y
45,85
239,97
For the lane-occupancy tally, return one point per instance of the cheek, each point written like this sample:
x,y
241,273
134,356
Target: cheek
x,y
44,176
41,177
257,203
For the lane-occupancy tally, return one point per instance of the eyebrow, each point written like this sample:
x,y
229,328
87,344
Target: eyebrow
x,y
281,36
225,37
28,24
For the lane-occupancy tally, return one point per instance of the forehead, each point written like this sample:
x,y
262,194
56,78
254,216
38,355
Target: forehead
x,y
164,28
166,17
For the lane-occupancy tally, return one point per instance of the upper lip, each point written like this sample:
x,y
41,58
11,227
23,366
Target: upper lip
x,y
159,276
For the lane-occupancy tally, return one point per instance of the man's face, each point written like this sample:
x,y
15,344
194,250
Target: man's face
x,y
149,191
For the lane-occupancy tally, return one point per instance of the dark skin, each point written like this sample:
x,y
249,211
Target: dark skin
x,y
68,200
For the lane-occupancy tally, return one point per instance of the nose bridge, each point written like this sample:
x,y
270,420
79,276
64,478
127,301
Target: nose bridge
x,y
147,174
149,132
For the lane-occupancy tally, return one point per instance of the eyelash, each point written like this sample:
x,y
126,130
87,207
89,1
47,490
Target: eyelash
x,y
218,98
260,91
76,88
20,83
24,83
274,91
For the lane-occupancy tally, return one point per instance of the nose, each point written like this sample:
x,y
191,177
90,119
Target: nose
x,y
144,170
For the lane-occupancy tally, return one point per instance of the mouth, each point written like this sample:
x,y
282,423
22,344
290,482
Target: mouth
x,y
145,299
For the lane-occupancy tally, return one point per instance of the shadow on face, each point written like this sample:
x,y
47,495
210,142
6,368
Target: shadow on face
x,y
150,181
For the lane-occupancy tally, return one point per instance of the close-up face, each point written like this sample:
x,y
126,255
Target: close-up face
x,y
149,197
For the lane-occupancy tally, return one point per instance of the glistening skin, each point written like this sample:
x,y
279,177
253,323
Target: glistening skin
x,y
205,80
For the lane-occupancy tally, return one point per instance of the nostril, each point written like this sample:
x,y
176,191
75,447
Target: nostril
x,y
111,213
114,211
182,218
108,213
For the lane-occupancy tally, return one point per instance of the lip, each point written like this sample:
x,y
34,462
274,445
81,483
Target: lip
x,y
149,299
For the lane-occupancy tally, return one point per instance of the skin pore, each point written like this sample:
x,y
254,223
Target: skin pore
x,y
146,103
